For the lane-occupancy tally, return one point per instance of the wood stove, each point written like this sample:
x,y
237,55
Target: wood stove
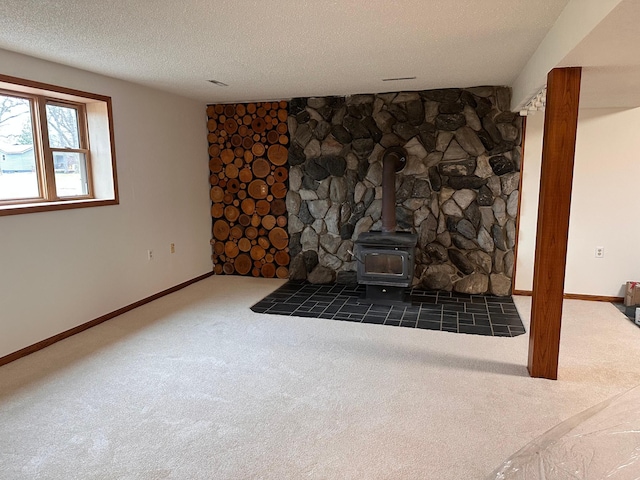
x,y
385,264
386,258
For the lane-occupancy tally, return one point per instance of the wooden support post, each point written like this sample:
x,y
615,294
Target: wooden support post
x,y
560,126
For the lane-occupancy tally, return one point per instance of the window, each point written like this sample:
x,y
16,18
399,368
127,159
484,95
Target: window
x,y
56,147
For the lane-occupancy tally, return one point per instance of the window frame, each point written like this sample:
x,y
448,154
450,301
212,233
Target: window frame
x,y
40,95
36,148
83,141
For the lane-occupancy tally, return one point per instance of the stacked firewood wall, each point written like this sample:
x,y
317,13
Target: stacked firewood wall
x,y
248,163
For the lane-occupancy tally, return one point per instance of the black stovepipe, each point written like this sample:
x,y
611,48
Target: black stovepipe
x,y
393,160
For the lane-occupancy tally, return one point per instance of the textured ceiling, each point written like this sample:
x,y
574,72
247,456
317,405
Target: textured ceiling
x,y
283,48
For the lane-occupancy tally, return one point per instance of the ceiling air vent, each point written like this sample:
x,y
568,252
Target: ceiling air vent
x,y
218,83
397,79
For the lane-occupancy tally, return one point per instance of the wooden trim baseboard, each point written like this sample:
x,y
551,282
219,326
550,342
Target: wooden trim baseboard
x,y
593,298
577,296
96,321
524,293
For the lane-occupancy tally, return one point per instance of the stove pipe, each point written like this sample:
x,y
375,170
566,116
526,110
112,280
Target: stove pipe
x,y
393,160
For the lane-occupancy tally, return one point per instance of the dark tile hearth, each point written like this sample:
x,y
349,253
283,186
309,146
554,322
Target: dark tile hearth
x,y
629,312
431,310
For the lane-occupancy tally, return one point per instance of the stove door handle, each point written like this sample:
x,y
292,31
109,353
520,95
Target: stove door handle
x,y
353,255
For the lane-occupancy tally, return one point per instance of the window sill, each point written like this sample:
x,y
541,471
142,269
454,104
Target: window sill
x,y
18,209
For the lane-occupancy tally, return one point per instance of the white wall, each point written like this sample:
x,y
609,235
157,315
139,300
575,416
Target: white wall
x,y
576,21
63,268
604,206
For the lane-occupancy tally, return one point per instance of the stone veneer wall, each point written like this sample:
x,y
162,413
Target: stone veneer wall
x,y
458,191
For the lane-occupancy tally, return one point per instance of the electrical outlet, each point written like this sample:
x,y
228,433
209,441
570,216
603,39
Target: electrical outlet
x,y
172,247
149,255
599,252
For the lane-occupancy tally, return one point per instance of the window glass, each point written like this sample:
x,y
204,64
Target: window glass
x,y
71,174
18,167
381,263
62,123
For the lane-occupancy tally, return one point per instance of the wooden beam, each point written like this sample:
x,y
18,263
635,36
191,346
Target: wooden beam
x,y
558,149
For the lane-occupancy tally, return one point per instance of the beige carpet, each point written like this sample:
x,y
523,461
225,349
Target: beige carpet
x,y
196,386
